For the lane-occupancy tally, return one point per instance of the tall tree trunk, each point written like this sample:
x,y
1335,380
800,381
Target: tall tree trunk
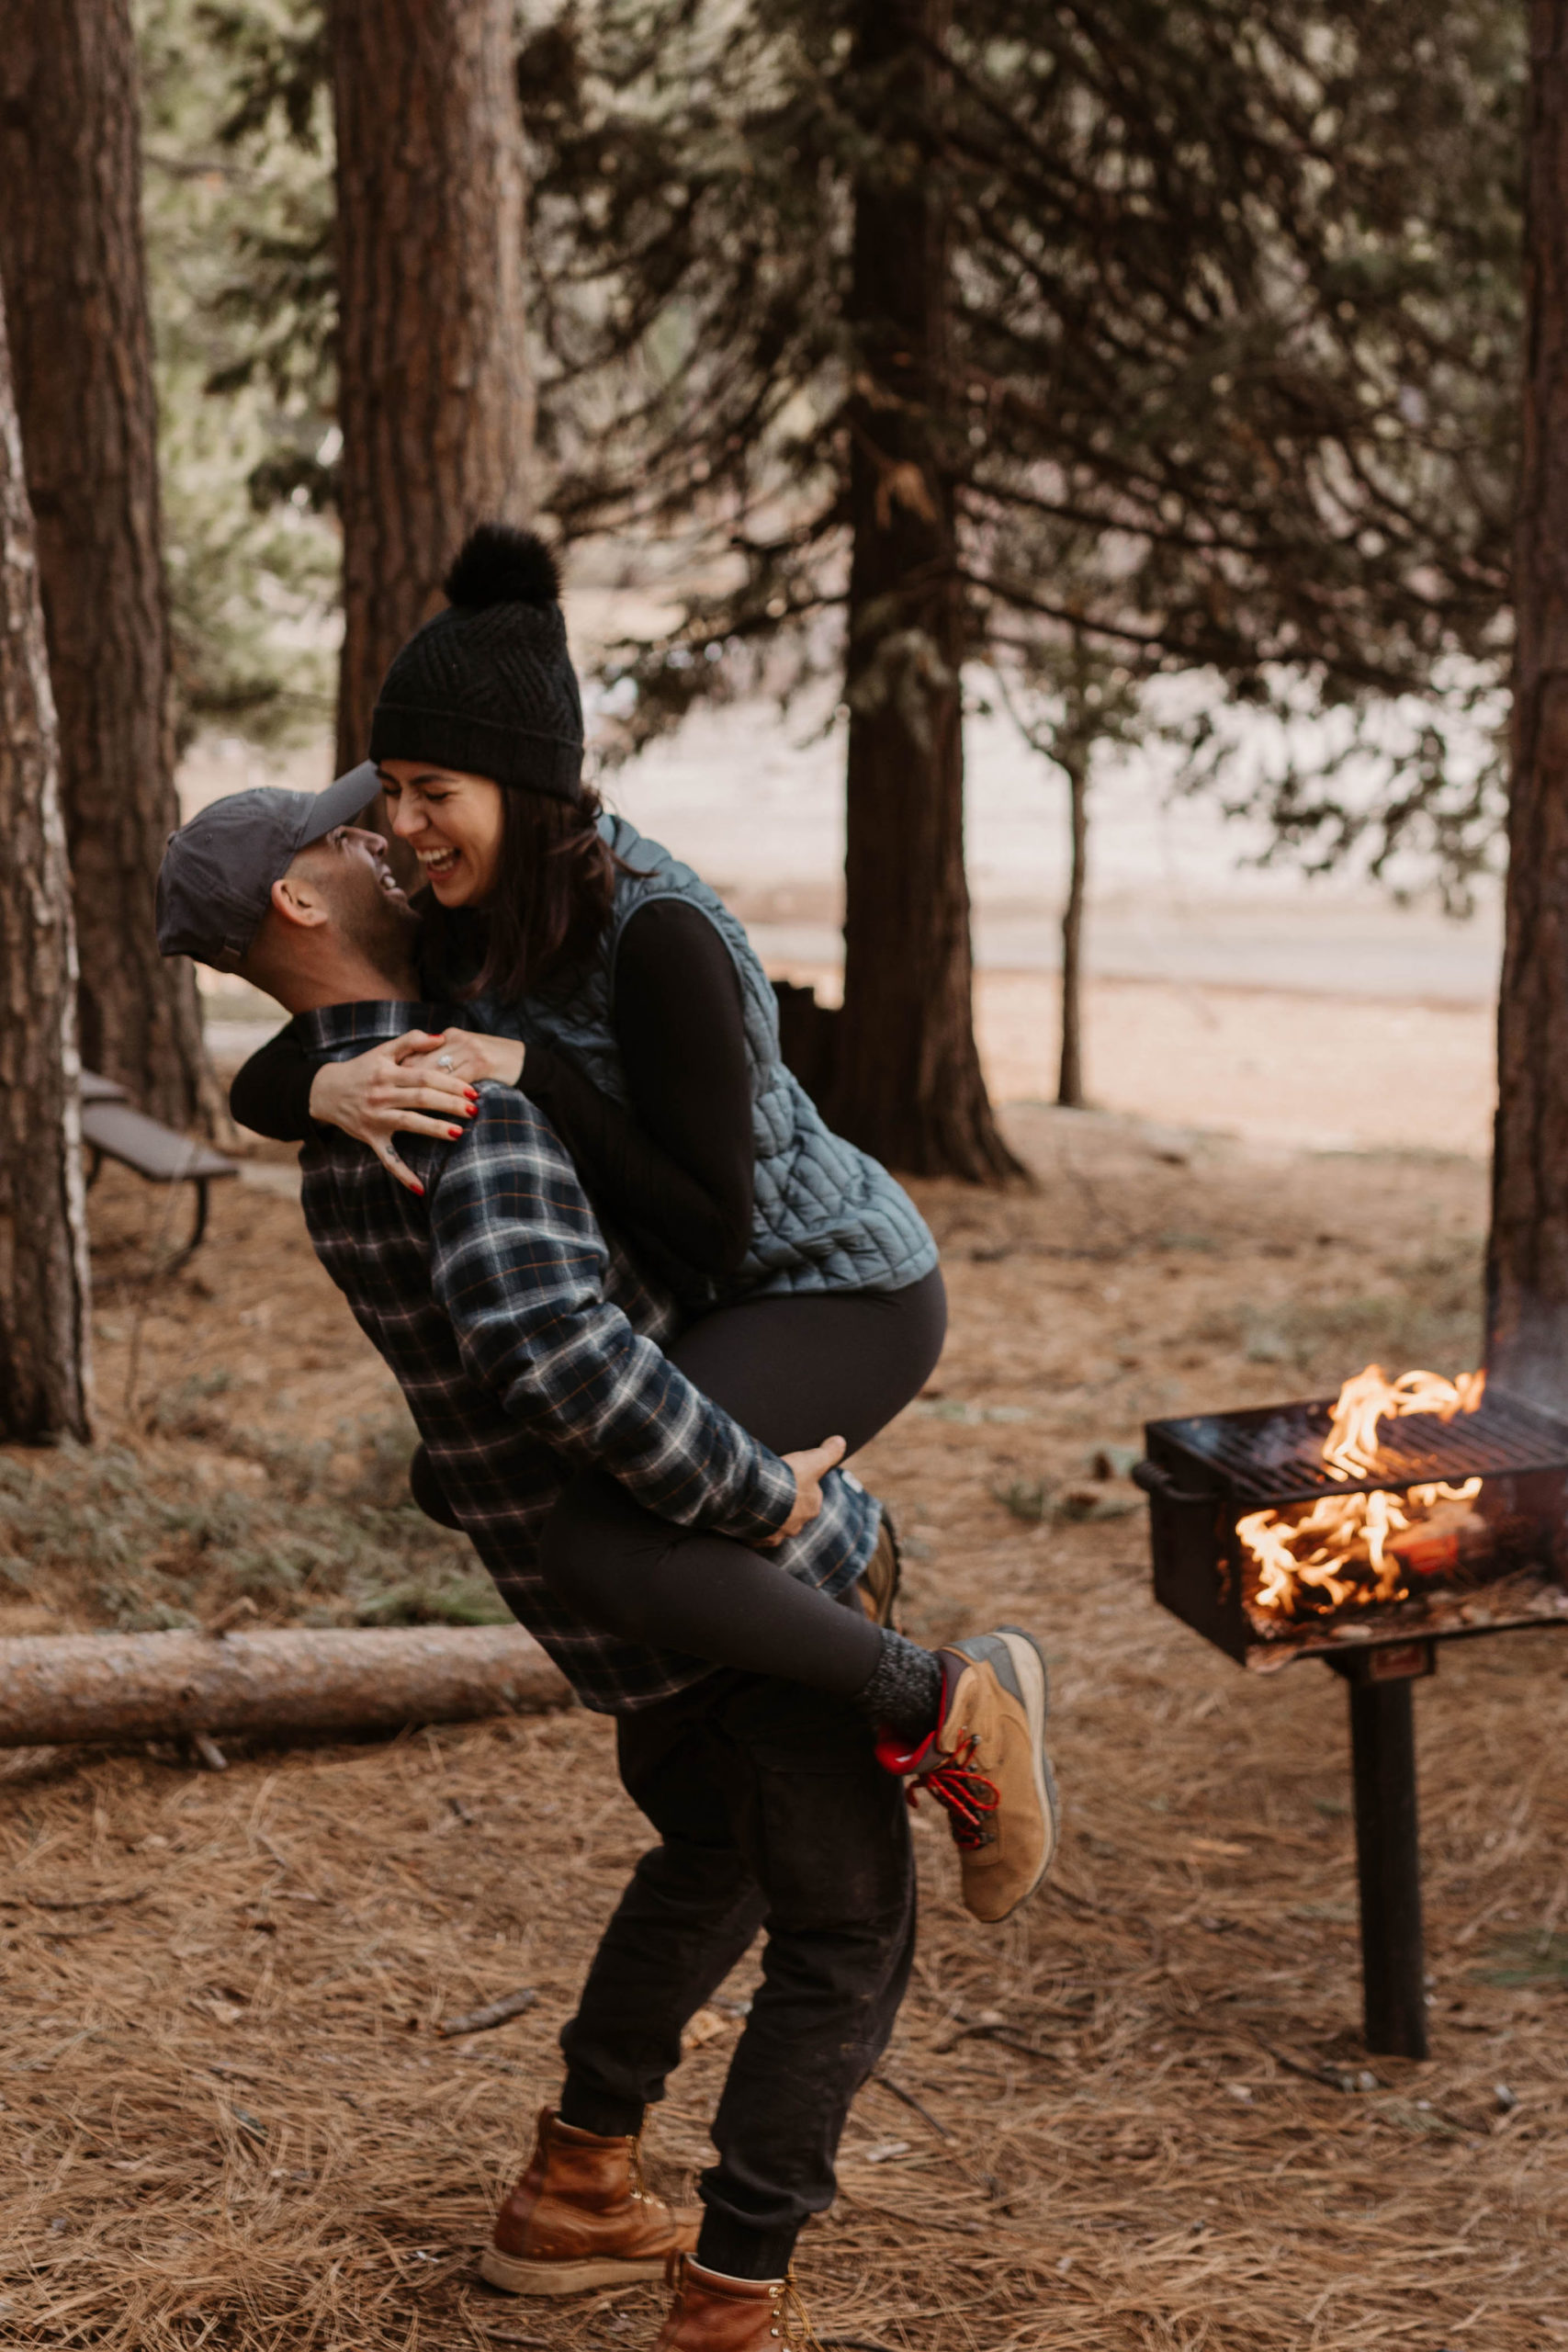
x,y
434,395
74,279
908,1081
44,1227
1528,1259
1069,1081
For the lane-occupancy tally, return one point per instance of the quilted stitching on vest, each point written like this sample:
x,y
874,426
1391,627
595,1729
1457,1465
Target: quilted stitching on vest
x,y
826,1216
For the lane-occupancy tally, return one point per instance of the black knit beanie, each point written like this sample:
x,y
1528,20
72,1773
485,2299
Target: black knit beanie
x,y
487,686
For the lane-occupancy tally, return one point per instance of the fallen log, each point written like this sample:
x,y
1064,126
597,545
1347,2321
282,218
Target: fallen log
x,y
63,1690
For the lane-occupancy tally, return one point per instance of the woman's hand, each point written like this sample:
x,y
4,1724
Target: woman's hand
x,y
473,1053
394,1089
809,1469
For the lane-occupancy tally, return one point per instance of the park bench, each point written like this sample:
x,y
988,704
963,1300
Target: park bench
x,y
113,1128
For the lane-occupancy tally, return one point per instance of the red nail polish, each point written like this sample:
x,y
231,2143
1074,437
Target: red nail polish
x,y
453,1133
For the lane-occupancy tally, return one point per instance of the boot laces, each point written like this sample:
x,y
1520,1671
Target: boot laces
x,y
969,1795
790,2325
638,2191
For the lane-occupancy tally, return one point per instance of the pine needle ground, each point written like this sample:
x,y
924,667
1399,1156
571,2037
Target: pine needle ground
x,y
1140,2120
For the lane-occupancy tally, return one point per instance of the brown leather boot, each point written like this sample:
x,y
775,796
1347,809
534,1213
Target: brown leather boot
x,y
580,2217
713,2313
878,1588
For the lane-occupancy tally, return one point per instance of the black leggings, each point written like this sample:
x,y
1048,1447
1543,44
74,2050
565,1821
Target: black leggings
x,y
793,1372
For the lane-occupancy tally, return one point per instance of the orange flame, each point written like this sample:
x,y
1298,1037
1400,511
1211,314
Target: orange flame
x,y
1351,1448
1348,1549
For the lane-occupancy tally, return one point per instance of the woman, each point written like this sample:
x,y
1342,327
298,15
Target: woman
x,y
610,982
596,962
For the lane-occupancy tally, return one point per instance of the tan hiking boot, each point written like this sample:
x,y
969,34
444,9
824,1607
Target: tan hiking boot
x,y
580,2217
985,1763
713,2313
878,1588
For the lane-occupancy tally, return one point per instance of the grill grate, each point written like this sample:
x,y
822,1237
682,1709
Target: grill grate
x,y
1274,1453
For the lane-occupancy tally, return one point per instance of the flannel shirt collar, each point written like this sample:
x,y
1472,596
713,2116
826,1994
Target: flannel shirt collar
x,y
334,1033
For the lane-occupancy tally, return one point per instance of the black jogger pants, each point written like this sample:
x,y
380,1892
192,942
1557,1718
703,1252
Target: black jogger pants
x,y
762,1784
772,1811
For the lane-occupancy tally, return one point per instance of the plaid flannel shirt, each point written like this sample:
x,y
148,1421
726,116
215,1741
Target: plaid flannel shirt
x,y
525,1342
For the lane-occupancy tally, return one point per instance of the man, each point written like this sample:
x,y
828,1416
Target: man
x,y
525,1344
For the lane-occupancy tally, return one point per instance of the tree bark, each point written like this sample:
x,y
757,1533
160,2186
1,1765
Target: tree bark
x,y
73,268
63,1688
44,1321
1527,1257
1069,1081
435,398
907,1083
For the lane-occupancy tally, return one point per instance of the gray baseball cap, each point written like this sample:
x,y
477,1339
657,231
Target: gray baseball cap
x,y
215,884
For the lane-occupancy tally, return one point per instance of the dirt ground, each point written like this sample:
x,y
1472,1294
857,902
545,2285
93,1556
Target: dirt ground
x,y
1139,2116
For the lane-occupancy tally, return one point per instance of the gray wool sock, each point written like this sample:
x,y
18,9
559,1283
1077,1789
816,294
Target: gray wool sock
x,y
903,1695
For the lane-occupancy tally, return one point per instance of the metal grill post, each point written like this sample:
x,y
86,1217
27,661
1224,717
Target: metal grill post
x,y
1388,1864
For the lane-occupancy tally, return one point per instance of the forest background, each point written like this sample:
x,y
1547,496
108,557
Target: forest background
x,y
1224,436
1147,374
1157,383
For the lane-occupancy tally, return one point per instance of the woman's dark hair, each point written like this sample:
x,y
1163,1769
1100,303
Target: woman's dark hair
x,y
555,883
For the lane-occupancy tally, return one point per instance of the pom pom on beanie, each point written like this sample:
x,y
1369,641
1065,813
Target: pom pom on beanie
x,y
487,688
499,565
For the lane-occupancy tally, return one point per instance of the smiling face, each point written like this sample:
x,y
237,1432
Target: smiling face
x,y
337,928
452,823
349,868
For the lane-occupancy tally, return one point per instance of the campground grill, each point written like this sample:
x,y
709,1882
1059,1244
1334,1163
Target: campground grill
x,y
1262,1545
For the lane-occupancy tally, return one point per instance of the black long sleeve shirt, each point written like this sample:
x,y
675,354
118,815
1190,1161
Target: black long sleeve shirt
x,y
677,1167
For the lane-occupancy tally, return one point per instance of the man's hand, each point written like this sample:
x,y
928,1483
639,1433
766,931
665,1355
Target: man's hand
x,y
809,1469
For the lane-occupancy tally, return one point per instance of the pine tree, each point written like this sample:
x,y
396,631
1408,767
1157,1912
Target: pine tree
x,y
1527,1258
368,323
434,389
238,139
44,1326
1070,704
1244,298
1223,386
71,259
907,1078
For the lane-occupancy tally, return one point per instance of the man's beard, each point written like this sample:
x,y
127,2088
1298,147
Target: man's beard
x,y
382,929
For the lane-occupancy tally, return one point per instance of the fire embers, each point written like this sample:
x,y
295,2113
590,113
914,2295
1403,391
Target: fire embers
x,y
1355,1551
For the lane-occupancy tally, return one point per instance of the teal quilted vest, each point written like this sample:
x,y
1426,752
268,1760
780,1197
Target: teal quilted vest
x,y
825,1216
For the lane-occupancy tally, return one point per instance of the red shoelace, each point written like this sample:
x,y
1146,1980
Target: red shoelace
x,y
958,1784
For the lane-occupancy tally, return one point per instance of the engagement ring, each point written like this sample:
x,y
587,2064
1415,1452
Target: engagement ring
x,y
444,1061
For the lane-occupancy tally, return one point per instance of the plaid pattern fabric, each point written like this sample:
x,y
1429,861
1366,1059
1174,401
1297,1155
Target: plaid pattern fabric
x,y
525,1342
